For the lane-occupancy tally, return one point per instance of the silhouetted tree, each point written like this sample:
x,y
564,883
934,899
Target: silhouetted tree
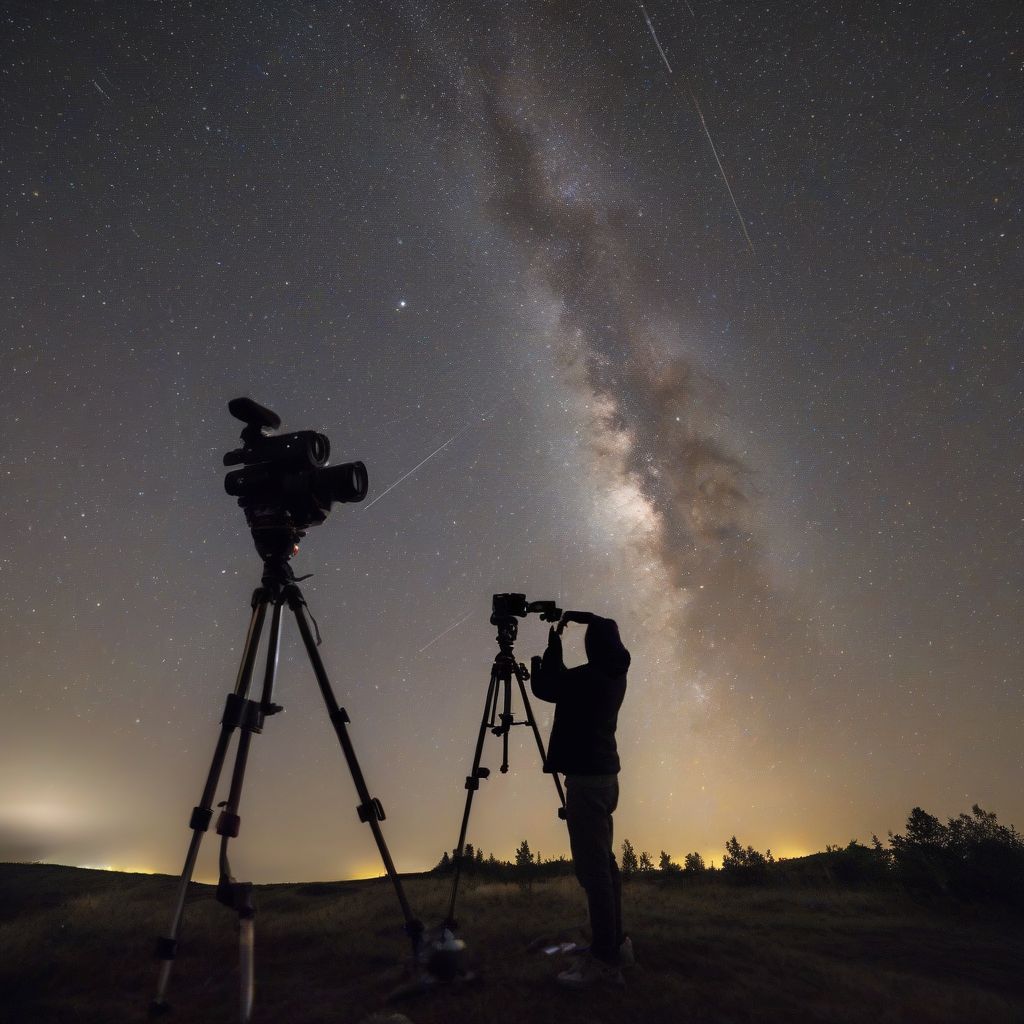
x,y
971,857
645,865
629,864
525,865
444,864
746,866
856,864
523,855
693,864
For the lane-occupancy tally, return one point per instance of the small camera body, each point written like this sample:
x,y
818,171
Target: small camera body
x,y
503,605
515,605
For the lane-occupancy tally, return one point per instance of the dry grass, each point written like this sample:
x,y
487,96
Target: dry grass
x,y
75,946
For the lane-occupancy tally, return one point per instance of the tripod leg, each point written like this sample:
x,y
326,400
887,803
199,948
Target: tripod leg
x,y
506,717
229,822
540,741
472,785
246,966
492,717
238,896
202,813
369,809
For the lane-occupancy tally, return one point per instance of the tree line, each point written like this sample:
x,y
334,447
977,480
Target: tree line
x,y
969,857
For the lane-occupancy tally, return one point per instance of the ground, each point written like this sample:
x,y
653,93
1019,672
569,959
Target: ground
x,y
76,946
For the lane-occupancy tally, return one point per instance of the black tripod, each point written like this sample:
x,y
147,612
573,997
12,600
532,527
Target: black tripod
x,y
279,587
499,690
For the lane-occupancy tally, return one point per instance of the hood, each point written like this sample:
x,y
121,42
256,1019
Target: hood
x,y
604,647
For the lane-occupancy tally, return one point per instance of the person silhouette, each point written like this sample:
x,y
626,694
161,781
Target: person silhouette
x,y
582,746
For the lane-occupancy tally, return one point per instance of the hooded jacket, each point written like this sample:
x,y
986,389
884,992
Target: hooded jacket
x,y
587,699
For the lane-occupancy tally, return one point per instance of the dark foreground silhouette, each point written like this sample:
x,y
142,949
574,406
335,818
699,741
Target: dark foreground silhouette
x,y
77,946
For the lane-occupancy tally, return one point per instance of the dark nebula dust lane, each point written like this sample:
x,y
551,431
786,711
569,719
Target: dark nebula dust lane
x,y
705,317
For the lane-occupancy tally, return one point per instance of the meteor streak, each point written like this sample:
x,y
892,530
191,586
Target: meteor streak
x,y
436,451
444,633
650,28
704,125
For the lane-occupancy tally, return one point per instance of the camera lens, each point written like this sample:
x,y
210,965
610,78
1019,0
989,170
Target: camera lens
x,y
251,482
319,447
347,482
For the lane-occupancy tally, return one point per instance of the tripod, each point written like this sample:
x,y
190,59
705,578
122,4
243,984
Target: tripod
x,y
500,724
278,588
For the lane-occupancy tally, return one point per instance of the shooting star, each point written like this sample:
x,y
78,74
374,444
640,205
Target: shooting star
x,y
102,91
436,451
704,125
650,28
445,632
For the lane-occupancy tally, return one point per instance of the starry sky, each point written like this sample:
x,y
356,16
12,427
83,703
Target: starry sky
x,y
777,435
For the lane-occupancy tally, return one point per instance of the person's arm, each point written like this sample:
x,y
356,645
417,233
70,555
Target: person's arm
x,y
583,618
605,649
546,684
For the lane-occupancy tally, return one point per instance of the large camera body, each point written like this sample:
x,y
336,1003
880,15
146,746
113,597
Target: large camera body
x,y
285,485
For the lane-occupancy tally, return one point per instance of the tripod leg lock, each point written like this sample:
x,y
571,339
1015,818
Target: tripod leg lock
x,y
166,949
561,813
201,818
339,716
228,824
241,713
373,810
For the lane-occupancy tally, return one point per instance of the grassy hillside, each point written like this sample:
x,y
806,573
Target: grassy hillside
x,y
76,946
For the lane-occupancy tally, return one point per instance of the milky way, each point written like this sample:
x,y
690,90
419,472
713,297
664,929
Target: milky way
x,y
488,250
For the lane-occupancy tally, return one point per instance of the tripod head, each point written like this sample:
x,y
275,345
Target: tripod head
x,y
285,486
508,630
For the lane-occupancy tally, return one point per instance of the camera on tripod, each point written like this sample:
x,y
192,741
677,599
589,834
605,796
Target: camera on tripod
x,y
504,606
498,717
285,486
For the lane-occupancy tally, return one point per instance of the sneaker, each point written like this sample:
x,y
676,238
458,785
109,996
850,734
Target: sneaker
x,y
626,957
590,971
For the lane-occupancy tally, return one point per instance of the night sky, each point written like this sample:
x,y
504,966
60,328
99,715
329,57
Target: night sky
x,y
497,236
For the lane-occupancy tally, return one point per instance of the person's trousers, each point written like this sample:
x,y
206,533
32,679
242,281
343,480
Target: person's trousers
x,y
590,801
